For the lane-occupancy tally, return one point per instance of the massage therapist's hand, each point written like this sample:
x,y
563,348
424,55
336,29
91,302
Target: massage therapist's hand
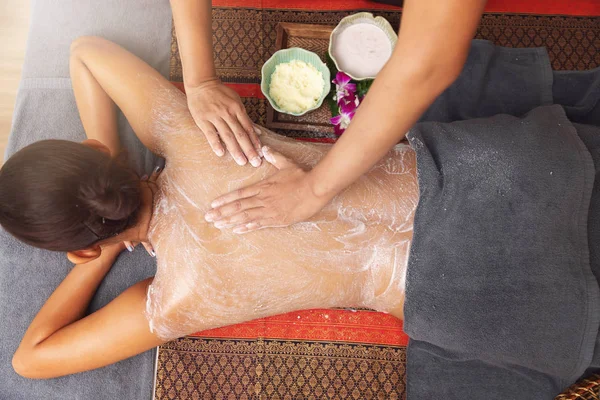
x,y
221,116
280,200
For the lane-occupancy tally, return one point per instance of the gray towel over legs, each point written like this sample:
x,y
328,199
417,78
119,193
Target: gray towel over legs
x,y
501,301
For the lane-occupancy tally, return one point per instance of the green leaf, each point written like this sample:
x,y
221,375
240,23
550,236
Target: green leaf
x,y
362,87
330,98
335,110
330,64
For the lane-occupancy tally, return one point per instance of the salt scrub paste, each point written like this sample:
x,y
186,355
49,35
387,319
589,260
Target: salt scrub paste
x,y
296,86
353,253
362,49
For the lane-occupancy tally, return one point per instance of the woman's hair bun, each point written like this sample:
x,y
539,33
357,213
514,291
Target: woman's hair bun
x,y
112,196
61,195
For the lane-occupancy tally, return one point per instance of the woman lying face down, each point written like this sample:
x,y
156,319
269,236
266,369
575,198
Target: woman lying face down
x,y
82,198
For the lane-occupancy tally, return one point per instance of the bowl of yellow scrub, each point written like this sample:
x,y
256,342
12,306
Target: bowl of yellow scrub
x,y
295,81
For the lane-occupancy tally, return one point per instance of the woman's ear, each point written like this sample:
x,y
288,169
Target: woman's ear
x,y
94,144
85,255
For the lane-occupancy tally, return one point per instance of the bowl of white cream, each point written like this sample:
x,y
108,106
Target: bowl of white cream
x,y
295,81
361,44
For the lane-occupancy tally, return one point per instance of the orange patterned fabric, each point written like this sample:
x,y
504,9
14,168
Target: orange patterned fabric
x,y
356,326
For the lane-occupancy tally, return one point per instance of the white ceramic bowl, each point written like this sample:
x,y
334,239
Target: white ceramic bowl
x,y
360,18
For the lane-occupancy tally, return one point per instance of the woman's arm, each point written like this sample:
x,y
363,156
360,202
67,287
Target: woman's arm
x,y
61,341
104,75
96,109
433,44
216,109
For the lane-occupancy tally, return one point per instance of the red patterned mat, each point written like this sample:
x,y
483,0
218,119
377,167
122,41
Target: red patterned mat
x,y
315,354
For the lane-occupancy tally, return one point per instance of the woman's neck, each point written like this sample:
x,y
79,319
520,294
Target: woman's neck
x,y
139,232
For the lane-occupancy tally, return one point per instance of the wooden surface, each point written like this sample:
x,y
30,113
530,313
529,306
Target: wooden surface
x,y
316,39
14,23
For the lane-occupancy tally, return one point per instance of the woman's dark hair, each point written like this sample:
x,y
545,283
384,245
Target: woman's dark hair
x,y
64,196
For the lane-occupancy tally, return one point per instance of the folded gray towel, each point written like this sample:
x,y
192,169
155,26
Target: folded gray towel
x,y
501,301
579,93
496,80
590,135
45,108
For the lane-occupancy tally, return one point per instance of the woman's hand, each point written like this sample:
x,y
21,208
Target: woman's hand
x,y
152,179
283,199
111,252
219,113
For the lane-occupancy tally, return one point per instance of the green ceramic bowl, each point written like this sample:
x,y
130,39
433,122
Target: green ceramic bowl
x,y
287,55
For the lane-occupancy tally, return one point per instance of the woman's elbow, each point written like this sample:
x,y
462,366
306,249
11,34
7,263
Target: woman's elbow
x,y
21,365
78,43
84,42
24,364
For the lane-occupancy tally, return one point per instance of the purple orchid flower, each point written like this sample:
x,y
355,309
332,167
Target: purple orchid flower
x,y
350,101
343,87
341,121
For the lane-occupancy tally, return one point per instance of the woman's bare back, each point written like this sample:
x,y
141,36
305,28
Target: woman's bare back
x,y
353,253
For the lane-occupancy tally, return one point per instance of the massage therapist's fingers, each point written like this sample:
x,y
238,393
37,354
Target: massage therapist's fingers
x,y
244,141
255,226
258,130
230,141
240,219
212,136
232,208
239,194
251,130
277,159
256,140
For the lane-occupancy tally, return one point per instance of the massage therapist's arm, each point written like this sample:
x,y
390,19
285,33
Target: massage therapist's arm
x,y
433,44
216,109
61,340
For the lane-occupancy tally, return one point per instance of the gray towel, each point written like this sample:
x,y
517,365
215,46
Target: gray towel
x,y
45,108
590,135
501,301
514,81
496,80
579,93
